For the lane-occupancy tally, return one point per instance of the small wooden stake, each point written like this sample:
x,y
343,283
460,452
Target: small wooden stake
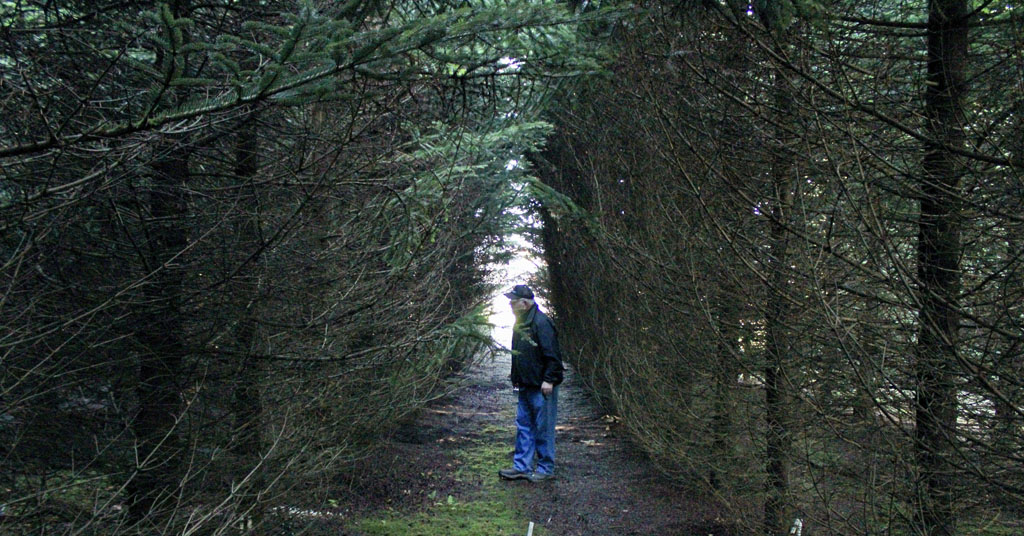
x,y
529,530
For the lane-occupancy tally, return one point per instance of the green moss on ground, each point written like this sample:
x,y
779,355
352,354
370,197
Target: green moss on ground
x,y
483,460
471,518
485,504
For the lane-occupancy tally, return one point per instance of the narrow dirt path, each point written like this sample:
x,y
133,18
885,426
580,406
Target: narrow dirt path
x,y
603,486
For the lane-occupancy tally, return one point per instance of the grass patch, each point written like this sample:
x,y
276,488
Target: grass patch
x,y
482,460
487,506
471,518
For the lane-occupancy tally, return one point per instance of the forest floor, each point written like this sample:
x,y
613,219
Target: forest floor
x,y
438,475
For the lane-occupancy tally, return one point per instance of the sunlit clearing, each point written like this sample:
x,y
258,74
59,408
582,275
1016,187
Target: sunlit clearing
x,y
518,271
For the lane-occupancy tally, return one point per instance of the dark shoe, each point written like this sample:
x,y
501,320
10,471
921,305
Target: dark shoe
x,y
539,477
513,474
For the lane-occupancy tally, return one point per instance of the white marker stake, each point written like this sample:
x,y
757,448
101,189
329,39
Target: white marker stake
x,y
529,530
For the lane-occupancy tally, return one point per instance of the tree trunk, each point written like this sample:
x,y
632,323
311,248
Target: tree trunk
x,y
156,487
939,252
725,375
159,334
776,507
246,403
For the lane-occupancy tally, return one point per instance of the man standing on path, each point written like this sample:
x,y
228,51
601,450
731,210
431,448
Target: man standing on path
x,y
536,372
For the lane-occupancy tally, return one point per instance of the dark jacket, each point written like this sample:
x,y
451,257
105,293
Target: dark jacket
x,y
535,354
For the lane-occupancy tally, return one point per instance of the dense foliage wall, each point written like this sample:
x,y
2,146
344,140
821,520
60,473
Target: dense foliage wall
x,y
793,258
240,240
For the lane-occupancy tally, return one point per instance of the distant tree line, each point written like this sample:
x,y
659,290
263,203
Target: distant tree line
x,y
784,241
240,241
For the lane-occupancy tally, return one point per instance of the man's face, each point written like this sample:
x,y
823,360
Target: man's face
x,y
519,305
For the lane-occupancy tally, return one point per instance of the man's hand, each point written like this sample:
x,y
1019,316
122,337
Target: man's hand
x,y
546,388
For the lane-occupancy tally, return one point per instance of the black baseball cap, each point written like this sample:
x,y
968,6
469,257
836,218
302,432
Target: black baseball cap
x,y
518,292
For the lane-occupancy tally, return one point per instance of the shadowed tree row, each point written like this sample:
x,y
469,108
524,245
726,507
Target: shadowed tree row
x,y
239,242
788,254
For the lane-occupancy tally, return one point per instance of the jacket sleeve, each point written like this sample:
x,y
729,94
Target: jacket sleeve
x,y
548,342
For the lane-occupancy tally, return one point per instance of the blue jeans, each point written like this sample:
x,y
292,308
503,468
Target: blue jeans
x,y
535,430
